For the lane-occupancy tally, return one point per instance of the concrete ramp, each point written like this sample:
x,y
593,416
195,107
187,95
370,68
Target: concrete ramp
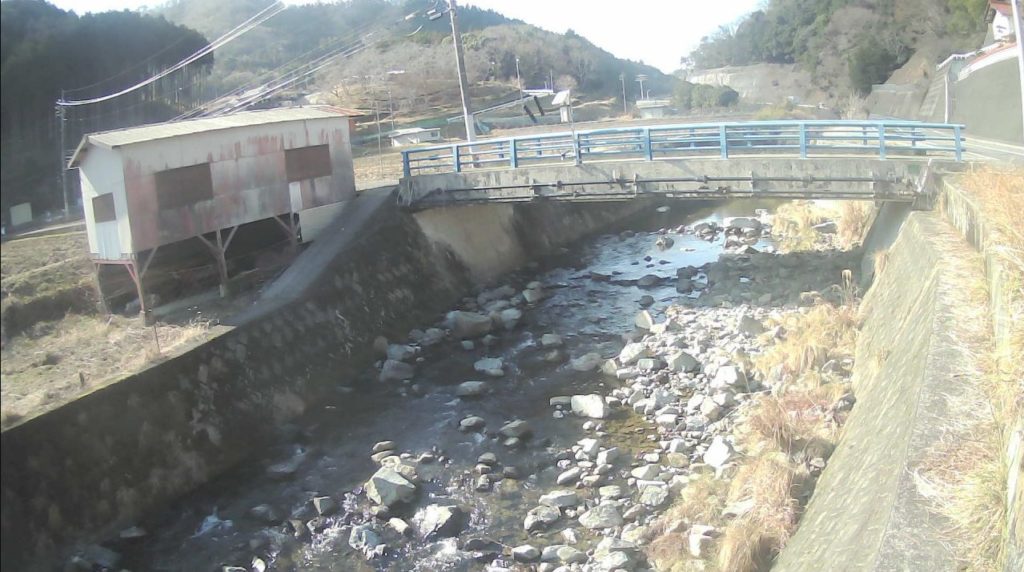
x,y
308,268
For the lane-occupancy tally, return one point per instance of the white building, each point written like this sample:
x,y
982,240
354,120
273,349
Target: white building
x,y
1001,18
160,191
653,108
414,136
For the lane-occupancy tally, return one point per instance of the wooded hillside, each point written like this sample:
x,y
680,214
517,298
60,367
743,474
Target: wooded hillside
x,y
44,50
845,44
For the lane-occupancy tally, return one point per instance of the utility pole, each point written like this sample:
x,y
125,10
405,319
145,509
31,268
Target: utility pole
x,y
625,108
62,117
391,110
642,78
380,150
460,64
1018,26
519,79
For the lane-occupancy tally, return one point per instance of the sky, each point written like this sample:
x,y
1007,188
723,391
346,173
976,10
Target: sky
x,y
657,32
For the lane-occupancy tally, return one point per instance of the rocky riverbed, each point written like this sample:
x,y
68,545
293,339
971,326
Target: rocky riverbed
x,y
542,425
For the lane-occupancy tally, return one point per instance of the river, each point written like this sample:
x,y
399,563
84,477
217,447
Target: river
x,y
591,302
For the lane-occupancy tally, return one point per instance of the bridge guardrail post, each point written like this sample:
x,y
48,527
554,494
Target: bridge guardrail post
x,y
576,149
958,144
406,168
513,158
803,140
455,158
723,142
648,150
881,141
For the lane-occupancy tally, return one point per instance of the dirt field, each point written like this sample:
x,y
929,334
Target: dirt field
x,y
56,346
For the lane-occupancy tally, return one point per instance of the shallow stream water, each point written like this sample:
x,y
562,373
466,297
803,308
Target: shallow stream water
x,y
212,527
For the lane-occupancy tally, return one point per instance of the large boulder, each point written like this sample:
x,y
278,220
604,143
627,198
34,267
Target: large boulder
x,y
682,362
366,540
741,223
468,324
439,521
719,453
643,320
633,352
587,362
540,518
490,366
561,498
387,487
593,406
394,370
601,516
729,376
510,317
471,389
399,352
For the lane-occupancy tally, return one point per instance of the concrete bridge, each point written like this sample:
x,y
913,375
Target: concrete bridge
x,y
866,160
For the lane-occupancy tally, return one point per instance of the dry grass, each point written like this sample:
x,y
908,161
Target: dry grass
x,y
791,422
966,476
56,362
773,483
701,502
795,221
793,225
852,223
813,339
779,435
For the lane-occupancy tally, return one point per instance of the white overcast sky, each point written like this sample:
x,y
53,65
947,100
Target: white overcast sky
x,y
658,32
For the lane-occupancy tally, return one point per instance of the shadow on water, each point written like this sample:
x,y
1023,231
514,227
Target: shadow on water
x,y
332,444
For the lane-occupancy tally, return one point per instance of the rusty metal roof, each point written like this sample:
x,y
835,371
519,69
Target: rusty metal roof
x,y
156,131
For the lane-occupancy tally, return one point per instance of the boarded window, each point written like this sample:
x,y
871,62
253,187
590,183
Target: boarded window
x,y
307,162
183,186
103,208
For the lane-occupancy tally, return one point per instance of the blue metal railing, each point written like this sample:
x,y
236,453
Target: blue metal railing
x,y
805,139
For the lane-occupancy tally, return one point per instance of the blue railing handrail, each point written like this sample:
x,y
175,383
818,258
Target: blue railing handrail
x,y
877,138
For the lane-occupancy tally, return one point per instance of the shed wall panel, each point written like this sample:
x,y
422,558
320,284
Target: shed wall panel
x,y
100,173
249,177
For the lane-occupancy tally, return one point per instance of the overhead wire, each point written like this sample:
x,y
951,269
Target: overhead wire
x,y
289,78
262,16
274,75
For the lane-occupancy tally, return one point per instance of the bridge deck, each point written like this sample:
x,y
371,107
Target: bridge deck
x,y
787,159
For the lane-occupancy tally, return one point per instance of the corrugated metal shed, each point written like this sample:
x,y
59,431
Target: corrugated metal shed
x,y
135,135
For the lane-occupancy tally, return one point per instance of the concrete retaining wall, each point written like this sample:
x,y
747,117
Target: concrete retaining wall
x,y
492,239
1006,305
100,462
988,102
867,512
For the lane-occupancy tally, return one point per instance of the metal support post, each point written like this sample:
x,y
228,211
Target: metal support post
x,y
803,140
881,141
513,154
958,143
723,142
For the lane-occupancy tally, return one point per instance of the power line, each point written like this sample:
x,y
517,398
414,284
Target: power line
x,y
269,12
291,77
125,71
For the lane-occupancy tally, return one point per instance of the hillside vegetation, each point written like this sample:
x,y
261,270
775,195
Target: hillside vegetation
x,y
847,45
410,59
44,50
